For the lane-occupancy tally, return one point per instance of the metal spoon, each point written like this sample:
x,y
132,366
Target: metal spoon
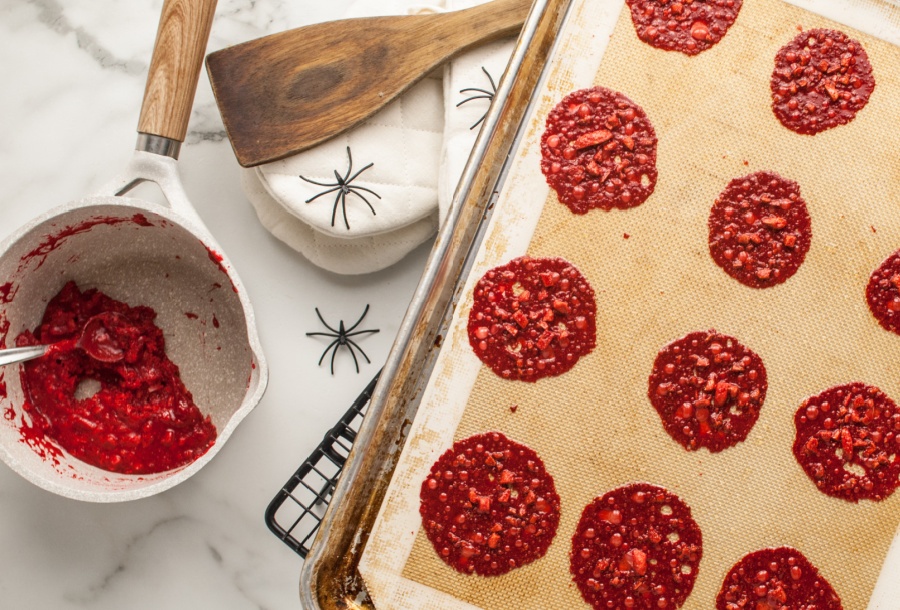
x,y
95,339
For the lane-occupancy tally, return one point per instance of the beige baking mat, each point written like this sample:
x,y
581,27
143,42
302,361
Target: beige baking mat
x,y
594,425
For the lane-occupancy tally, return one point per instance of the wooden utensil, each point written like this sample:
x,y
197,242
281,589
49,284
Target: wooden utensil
x,y
285,93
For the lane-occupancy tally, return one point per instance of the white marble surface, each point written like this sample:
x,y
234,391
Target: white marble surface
x,y
73,74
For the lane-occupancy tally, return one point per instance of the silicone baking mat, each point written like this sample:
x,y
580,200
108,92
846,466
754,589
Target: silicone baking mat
x,y
655,282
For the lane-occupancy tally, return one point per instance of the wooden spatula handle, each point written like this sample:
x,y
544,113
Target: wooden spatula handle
x,y
489,21
287,92
175,67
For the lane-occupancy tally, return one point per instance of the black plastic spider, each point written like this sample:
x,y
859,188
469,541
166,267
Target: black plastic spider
x,y
485,95
344,187
342,339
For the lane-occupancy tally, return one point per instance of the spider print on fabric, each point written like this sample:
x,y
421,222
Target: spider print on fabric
x,y
342,338
344,186
484,95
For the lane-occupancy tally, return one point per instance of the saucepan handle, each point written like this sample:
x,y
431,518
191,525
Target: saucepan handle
x,y
174,71
168,97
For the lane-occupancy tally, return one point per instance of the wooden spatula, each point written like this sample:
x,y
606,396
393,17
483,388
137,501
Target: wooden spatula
x,y
284,93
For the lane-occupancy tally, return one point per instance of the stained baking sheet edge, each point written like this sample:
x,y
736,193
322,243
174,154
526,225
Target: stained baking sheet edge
x,y
517,231
329,579
518,224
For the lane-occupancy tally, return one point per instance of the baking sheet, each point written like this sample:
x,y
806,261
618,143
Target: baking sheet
x,y
594,426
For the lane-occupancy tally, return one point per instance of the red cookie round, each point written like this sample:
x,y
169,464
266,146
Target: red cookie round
x,y
599,151
689,27
636,547
848,441
708,389
489,505
822,78
532,318
883,293
759,229
776,578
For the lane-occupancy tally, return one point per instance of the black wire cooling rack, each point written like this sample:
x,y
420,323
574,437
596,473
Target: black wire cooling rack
x,y
295,513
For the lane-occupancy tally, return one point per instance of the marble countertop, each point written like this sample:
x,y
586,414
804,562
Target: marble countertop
x,y
73,75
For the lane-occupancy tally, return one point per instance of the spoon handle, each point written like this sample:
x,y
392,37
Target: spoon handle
x,y
21,354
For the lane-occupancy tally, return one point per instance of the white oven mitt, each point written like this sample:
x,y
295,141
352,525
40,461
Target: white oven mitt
x,y
403,144
347,256
469,83
389,164
417,147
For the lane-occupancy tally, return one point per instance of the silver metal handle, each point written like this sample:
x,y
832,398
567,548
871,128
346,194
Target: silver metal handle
x,y
21,354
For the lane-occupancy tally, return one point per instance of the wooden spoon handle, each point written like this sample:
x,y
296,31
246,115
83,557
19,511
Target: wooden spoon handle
x,y
175,67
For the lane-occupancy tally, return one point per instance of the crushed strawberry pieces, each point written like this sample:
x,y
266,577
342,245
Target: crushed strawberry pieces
x,y
489,505
759,229
637,546
599,151
776,579
687,26
141,420
822,79
883,293
848,441
532,318
593,138
708,389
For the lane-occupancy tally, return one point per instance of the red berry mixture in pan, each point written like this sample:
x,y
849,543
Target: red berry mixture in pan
x,y
636,547
822,78
489,505
779,578
883,293
759,229
532,318
141,419
599,151
689,26
708,390
848,442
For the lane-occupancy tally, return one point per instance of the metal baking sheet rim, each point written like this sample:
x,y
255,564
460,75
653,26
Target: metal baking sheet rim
x,y
865,15
343,530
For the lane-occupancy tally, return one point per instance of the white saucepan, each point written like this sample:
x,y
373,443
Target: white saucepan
x,y
141,253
